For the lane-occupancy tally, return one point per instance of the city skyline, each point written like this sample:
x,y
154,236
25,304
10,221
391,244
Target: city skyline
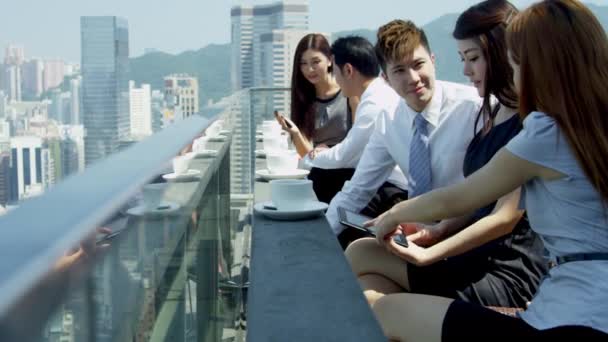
x,y
190,24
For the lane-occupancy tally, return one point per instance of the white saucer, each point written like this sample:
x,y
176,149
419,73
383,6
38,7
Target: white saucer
x,y
204,153
260,153
295,174
310,210
218,138
188,175
165,208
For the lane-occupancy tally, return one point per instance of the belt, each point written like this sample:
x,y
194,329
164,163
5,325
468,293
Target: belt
x,y
577,257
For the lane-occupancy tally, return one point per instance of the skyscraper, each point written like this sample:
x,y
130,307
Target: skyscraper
x,y
26,165
105,84
5,163
140,104
249,23
3,105
53,73
32,77
14,55
181,92
12,82
75,101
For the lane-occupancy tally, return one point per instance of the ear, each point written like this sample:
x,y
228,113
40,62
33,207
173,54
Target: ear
x,y
348,70
383,75
433,58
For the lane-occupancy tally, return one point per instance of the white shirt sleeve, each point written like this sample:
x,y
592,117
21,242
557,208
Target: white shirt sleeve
x,y
347,153
373,170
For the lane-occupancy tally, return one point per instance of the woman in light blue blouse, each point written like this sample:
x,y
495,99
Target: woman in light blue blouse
x,y
559,54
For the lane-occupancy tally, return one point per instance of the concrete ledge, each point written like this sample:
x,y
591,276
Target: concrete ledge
x,y
302,288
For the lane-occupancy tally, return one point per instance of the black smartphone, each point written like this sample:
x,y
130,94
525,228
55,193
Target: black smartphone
x,y
108,237
354,220
277,114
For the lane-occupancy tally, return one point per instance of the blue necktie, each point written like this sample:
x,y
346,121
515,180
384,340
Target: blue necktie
x,y
420,158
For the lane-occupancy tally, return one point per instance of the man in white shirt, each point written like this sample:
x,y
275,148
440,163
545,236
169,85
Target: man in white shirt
x,y
445,110
356,70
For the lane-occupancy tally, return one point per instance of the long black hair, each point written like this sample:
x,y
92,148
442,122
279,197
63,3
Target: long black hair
x,y
303,94
486,23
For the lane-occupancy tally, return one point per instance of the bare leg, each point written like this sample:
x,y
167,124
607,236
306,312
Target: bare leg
x,y
376,286
378,271
412,317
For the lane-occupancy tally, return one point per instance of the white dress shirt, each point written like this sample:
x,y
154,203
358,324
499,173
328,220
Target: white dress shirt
x,y
378,98
451,119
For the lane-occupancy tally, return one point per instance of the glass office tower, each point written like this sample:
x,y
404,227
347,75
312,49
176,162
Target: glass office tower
x,y
105,84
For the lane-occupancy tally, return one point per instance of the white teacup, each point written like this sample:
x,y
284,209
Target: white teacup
x,y
281,161
213,129
272,128
291,194
274,142
200,144
152,195
180,164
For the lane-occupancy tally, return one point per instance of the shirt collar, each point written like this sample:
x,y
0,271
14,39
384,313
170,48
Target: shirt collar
x,y
371,88
432,112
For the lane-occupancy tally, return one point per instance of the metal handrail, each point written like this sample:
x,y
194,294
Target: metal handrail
x,y
42,229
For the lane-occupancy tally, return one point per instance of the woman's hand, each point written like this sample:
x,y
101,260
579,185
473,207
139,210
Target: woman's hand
x,y
413,253
286,124
384,227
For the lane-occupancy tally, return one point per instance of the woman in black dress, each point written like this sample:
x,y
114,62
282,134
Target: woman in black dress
x,y
506,270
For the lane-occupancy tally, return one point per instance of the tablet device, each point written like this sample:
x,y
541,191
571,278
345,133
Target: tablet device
x,y
354,220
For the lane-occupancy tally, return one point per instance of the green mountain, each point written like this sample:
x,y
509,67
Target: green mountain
x,y
211,64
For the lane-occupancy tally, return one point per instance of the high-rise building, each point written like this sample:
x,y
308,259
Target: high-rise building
x,y
158,110
3,105
26,165
53,73
181,92
140,103
5,167
33,78
72,139
12,82
5,132
75,100
105,84
14,55
249,23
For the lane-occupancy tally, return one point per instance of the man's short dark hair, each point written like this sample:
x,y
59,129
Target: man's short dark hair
x,y
358,52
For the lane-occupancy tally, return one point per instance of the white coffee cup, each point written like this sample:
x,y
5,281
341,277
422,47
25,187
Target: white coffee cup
x,y
291,194
180,164
272,128
281,161
213,129
274,142
152,195
200,144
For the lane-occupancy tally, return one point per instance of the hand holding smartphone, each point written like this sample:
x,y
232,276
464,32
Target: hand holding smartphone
x,y
282,119
354,220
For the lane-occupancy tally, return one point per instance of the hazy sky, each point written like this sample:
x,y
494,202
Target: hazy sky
x,y
51,28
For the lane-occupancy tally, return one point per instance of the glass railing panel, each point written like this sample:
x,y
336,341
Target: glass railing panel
x,y
170,271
